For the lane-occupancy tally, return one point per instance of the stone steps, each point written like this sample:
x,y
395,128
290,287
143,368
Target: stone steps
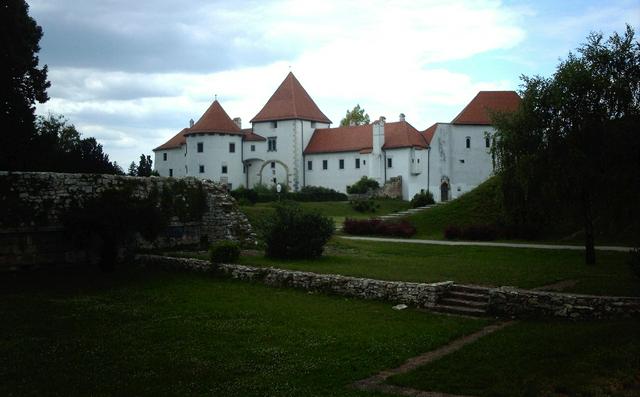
x,y
468,300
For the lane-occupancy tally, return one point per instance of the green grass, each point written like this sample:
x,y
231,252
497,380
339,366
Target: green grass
x,y
338,210
149,334
525,268
540,359
479,206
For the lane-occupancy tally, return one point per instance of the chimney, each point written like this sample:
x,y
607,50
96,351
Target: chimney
x,y
402,116
190,123
382,120
238,122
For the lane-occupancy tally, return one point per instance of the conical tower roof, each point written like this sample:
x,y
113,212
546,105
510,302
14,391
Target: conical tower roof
x,y
215,120
290,101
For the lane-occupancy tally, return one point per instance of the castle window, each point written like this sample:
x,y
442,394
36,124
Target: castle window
x,y
357,163
274,124
232,147
461,161
341,164
313,124
164,156
389,163
273,164
487,142
468,142
224,169
170,171
364,162
310,165
271,144
200,147
201,169
325,164
253,148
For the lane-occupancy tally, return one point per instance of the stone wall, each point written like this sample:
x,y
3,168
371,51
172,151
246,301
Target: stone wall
x,y
415,294
513,302
33,204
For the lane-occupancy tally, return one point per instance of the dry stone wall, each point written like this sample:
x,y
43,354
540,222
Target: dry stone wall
x,y
514,302
415,294
33,204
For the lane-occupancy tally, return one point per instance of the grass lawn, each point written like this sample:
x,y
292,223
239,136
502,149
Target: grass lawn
x,y
159,333
338,210
525,268
540,359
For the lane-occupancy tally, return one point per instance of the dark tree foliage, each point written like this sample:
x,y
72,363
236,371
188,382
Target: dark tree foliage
x,y
22,83
66,150
145,166
356,116
573,148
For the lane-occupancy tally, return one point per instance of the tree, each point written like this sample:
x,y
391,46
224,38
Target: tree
x,y
145,167
357,116
22,83
574,136
66,150
133,169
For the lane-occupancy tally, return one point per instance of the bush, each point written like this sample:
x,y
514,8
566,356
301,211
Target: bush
x,y
245,196
376,226
317,193
264,194
224,251
291,233
421,199
634,261
364,205
363,186
471,232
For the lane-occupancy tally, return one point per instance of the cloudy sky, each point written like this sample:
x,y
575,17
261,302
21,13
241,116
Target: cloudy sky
x,y
132,73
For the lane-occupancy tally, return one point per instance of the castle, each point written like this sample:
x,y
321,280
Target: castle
x,y
291,142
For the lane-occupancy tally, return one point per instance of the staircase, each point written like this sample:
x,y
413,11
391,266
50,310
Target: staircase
x,y
468,300
402,214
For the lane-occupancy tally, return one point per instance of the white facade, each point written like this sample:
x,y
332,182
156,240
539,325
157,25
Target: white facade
x,y
354,167
170,162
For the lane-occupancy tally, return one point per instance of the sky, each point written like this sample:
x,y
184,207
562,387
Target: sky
x,y
132,73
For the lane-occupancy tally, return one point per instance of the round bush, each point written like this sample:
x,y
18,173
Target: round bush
x,y
224,251
421,199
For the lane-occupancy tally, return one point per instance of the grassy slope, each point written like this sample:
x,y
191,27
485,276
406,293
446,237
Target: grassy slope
x,y
338,210
184,334
540,359
525,268
479,206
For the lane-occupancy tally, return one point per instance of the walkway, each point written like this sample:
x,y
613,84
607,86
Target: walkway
x,y
490,244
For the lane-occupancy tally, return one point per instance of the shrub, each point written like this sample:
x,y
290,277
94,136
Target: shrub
x,y
364,205
224,251
634,261
376,226
245,196
421,199
317,193
363,186
471,232
290,232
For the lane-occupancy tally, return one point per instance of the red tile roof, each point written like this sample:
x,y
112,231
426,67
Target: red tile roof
x,y
398,134
290,101
175,142
478,111
249,135
215,120
428,133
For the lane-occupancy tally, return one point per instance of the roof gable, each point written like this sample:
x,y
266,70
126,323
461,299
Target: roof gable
x,y
478,111
429,132
175,142
290,101
215,120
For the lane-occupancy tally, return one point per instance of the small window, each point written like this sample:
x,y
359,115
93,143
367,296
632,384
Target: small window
x,y
200,147
341,164
232,147
389,163
274,124
418,161
487,142
201,170
313,124
224,169
164,156
271,144
357,163
273,165
186,170
325,164
230,186
461,161
468,142
364,162
253,148
310,165
170,171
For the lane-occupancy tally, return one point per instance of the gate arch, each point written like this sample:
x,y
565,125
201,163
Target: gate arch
x,y
286,169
